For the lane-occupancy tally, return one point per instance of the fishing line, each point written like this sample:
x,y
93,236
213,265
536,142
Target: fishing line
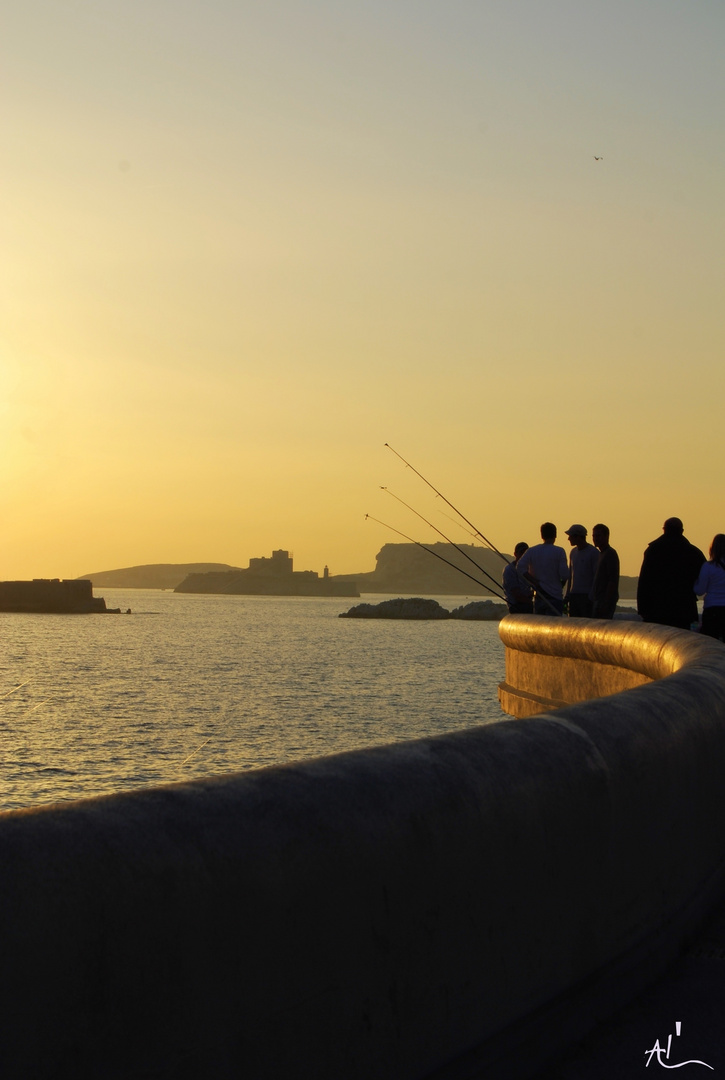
x,y
449,541
200,747
461,527
532,581
22,684
224,721
36,707
482,584
454,508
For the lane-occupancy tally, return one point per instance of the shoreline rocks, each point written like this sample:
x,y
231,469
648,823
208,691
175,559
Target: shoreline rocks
x,y
418,607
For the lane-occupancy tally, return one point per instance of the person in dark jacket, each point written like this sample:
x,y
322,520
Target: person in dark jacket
x,y
669,571
605,591
519,594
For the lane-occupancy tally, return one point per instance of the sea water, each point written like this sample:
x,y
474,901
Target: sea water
x,y
188,686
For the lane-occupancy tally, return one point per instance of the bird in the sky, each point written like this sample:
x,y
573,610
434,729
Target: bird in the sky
x,y
598,158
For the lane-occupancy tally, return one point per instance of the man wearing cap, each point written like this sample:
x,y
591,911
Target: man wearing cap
x,y
670,568
582,569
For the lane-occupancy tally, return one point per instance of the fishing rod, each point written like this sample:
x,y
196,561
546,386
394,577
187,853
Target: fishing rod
x,y
432,552
531,581
525,577
440,533
454,508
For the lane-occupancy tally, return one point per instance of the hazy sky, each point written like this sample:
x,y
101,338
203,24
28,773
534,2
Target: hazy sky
x,y
245,244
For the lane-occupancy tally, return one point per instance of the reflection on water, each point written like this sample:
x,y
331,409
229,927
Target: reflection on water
x,y
192,685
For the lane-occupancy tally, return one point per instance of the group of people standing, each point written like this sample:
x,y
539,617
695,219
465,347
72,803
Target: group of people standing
x,y
536,580
541,580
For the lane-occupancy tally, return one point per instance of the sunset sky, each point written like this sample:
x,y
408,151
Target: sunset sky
x,y
245,244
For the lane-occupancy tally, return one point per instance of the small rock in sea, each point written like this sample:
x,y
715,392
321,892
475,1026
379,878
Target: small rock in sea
x,y
400,608
484,610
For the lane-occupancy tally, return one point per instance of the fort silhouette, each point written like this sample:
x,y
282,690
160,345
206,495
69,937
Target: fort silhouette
x,y
273,576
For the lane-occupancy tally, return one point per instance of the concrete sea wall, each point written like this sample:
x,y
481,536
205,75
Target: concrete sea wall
x,y
452,907
555,662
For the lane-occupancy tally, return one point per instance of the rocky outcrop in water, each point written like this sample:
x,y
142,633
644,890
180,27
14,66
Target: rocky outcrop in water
x,y
482,610
410,608
419,608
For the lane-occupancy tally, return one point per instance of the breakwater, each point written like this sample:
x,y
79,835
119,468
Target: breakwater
x,y
431,909
51,596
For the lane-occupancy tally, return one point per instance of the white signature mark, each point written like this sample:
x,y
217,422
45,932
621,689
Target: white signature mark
x,y
658,1051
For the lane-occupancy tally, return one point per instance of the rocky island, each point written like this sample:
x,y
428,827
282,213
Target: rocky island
x,y
418,607
269,577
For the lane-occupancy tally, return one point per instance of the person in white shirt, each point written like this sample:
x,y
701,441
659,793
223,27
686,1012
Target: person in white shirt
x,y
545,566
711,583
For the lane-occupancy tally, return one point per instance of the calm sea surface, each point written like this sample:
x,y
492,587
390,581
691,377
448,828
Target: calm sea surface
x,y
192,685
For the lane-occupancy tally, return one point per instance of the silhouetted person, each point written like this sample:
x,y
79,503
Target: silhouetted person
x,y
711,583
582,568
606,580
546,566
519,594
670,568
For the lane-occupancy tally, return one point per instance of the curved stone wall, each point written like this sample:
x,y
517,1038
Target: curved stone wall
x,y
446,908
555,662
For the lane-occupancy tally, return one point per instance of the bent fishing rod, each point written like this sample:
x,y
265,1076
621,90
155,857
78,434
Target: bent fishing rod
x,y
446,538
448,503
482,584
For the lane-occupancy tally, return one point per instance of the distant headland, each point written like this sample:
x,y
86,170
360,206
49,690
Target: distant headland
x,y
153,575
399,569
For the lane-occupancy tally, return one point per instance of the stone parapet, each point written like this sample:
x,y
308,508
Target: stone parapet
x,y
448,908
555,662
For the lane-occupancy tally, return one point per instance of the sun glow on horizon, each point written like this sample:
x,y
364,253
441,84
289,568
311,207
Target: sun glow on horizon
x,y
244,248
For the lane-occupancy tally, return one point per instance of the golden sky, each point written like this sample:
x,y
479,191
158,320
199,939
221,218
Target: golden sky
x,y
246,244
